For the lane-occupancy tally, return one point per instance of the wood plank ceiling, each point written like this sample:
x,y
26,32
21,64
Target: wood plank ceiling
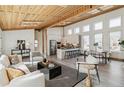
x,y
14,17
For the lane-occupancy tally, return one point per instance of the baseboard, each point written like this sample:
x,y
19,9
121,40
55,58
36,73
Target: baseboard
x,y
118,59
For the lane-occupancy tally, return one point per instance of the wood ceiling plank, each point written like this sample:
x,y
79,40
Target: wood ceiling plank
x,y
35,12
6,17
21,15
12,16
36,9
51,12
9,20
1,20
14,19
66,9
71,14
16,8
46,10
44,7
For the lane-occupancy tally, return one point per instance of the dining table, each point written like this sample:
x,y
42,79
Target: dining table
x,y
101,55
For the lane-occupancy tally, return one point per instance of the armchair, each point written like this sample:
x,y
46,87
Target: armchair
x,y
36,56
90,66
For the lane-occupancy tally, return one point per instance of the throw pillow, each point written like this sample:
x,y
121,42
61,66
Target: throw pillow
x,y
21,66
5,60
14,59
13,73
3,76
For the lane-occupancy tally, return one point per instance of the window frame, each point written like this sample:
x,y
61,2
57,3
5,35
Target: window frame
x,y
112,20
76,30
85,27
99,25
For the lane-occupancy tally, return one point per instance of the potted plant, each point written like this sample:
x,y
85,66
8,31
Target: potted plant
x,y
121,43
95,45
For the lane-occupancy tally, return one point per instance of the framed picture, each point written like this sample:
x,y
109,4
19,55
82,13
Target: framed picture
x,y
21,44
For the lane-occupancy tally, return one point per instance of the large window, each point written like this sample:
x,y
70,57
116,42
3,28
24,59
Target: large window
x,y
69,31
98,26
115,22
98,42
86,42
114,37
86,28
77,30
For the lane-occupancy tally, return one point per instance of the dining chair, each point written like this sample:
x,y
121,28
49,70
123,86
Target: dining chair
x,y
90,66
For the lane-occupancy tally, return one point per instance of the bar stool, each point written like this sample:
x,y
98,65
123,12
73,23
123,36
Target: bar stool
x,y
66,55
69,54
78,52
74,53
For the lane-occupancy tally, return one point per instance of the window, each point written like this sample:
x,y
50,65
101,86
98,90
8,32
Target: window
x,y
36,43
86,28
86,42
77,30
69,32
98,26
98,40
114,37
115,22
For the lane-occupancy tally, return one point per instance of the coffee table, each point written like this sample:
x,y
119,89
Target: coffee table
x,y
50,72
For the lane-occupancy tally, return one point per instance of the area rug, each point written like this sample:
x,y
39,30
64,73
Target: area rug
x,y
68,78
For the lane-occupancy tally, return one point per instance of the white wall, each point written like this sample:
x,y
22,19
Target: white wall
x,y
105,31
10,39
54,34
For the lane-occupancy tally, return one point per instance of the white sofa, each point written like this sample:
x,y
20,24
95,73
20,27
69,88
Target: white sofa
x,y
31,79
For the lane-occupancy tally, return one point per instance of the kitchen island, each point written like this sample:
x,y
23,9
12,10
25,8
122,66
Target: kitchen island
x,y
64,53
